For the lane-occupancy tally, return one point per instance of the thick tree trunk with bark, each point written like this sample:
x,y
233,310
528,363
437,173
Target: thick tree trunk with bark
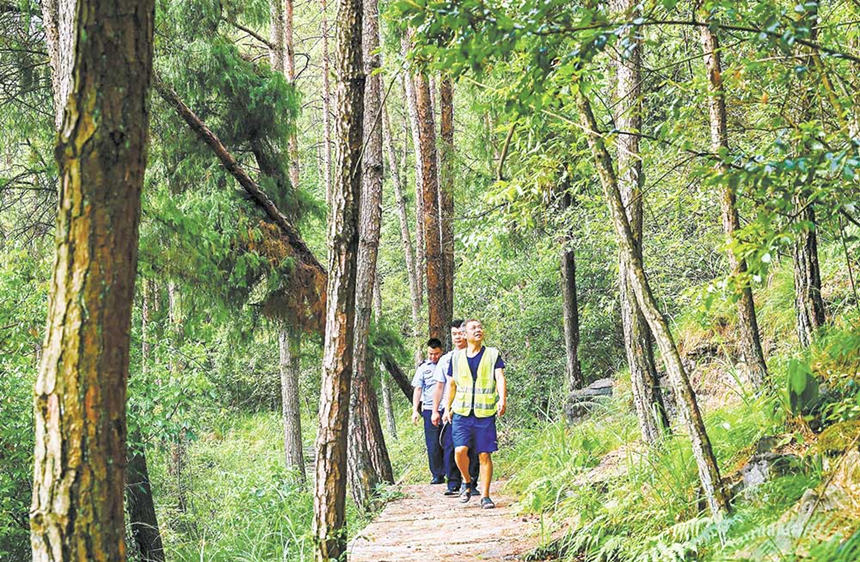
x,y
430,195
365,431
141,507
329,525
709,474
289,346
749,343
405,238
80,393
446,197
647,398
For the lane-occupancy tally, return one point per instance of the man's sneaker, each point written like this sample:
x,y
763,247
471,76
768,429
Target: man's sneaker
x,y
487,503
437,481
451,492
465,493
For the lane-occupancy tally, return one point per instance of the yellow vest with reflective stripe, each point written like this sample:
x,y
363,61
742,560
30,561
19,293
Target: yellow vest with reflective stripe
x,y
479,395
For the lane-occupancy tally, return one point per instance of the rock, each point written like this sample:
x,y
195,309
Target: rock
x,y
765,466
580,402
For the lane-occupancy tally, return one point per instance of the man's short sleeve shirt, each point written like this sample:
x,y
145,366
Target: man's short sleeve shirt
x,y
425,379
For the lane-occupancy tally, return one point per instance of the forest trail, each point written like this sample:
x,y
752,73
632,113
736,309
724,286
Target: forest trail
x,y
425,525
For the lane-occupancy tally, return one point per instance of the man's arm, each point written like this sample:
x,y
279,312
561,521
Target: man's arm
x,y
437,398
416,404
451,392
502,389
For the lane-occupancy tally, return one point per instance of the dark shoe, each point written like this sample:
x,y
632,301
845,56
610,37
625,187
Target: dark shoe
x,y
437,481
465,493
487,503
451,492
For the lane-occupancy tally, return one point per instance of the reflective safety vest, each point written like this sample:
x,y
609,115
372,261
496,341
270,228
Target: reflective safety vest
x,y
479,395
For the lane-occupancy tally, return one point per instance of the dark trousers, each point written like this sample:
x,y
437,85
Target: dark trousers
x,y
434,447
454,476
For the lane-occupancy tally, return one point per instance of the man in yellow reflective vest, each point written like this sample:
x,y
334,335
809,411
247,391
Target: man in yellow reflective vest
x,y
478,393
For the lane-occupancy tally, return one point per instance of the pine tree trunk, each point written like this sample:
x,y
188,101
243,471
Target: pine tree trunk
x,y
326,106
290,73
277,50
289,344
405,238
749,342
141,506
647,397
446,197
709,474
415,128
80,393
363,437
430,195
329,525
383,379
570,313
57,19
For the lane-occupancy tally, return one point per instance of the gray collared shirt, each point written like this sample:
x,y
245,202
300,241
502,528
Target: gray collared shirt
x,y
425,378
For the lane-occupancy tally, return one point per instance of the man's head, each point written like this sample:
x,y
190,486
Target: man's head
x,y
434,350
474,331
458,334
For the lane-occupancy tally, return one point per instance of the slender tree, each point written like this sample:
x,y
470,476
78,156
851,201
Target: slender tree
x,y
415,128
570,312
446,195
326,89
647,398
329,527
386,390
290,74
748,340
289,367
709,473
80,394
430,197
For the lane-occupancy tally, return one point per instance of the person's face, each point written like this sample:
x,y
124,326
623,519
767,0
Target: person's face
x,y
458,337
433,354
474,332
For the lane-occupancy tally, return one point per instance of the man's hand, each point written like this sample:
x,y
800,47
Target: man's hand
x,y
434,419
447,417
415,417
502,406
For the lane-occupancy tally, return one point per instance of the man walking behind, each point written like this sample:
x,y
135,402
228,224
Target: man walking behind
x,y
478,393
458,338
425,383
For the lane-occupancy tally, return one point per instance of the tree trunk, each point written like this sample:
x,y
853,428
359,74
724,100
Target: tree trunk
x,y
647,398
141,507
430,194
178,447
749,343
277,50
80,393
400,379
570,314
57,19
709,474
386,391
326,105
290,345
329,525
415,127
290,73
363,437
405,238
446,197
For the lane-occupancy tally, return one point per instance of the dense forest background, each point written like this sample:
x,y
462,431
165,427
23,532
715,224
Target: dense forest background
x,y
226,337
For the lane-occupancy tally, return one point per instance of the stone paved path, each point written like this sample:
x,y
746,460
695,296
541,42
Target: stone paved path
x,y
427,526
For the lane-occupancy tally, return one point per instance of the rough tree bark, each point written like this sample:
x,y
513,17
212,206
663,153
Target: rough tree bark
x,y
386,391
749,343
289,346
446,197
326,104
647,398
415,129
430,196
57,18
277,49
329,528
570,313
141,507
405,237
709,474
363,474
80,392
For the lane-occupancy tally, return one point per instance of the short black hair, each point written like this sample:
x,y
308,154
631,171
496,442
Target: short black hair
x,y
458,323
434,343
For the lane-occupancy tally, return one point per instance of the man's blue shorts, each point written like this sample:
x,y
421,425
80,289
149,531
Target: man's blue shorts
x,y
476,433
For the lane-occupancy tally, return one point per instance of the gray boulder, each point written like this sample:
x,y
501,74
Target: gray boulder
x,y
580,402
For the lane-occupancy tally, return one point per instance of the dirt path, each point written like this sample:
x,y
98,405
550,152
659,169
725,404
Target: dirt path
x,y
425,525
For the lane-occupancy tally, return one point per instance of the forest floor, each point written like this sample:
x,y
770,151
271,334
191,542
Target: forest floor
x,y
425,525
